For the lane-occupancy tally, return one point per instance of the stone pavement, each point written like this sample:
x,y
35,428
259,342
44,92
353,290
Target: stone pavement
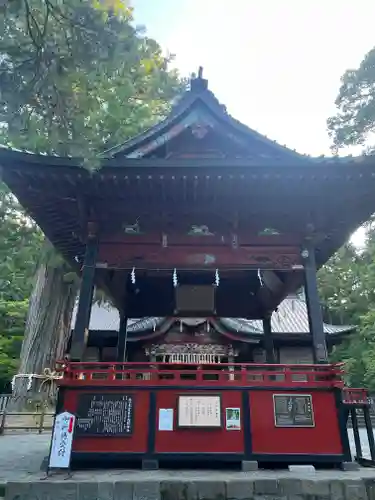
x,y
22,454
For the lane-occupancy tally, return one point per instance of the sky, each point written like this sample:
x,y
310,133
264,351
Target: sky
x,y
275,64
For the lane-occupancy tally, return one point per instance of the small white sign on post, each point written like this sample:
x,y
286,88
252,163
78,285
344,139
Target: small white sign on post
x,y
62,441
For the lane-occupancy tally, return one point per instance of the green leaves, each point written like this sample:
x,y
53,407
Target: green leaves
x,y
348,282
117,7
20,245
73,81
347,289
355,118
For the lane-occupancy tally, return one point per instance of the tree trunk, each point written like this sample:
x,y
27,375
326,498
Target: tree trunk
x,y
47,332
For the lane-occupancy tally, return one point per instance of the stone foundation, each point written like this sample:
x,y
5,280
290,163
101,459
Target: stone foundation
x,y
174,486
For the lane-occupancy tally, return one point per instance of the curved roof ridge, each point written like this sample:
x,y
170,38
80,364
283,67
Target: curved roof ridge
x,y
186,102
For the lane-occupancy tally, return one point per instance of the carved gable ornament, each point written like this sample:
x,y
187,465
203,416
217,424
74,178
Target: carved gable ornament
x,y
199,130
132,228
199,231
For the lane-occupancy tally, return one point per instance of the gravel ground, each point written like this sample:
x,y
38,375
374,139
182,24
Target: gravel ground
x,y
22,454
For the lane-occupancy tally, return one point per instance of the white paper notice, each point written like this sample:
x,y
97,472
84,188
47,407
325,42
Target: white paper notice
x,y
166,419
62,440
199,411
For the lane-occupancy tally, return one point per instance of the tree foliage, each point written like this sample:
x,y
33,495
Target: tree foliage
x,y
20,243
348,281
354,122
76,77
339,281
347,289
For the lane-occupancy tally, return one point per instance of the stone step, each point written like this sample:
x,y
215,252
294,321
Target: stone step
x,y
253,485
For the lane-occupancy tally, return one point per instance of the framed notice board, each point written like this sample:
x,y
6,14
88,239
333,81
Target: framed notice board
x,y
199,411
105,415
293,410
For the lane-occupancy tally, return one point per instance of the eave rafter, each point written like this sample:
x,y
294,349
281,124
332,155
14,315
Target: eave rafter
x,y
53,200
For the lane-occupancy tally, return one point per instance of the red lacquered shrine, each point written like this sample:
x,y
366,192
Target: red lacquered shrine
x,y
199,216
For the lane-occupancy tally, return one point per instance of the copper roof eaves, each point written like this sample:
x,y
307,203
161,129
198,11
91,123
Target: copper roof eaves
x,y
107,318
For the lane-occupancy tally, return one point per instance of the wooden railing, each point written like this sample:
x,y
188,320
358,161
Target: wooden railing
x,y
4,400
13,422
163,374
356,397
39,420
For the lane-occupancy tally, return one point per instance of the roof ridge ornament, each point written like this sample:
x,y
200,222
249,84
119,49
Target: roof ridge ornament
x,y
198,83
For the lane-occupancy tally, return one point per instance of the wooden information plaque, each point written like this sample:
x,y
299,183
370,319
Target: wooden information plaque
x,y
105,415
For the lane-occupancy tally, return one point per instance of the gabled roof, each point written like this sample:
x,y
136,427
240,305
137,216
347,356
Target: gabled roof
x,y
290,318
199,105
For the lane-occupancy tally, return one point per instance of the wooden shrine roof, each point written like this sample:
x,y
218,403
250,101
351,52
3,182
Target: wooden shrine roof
x,y
61,196
199,107
198,159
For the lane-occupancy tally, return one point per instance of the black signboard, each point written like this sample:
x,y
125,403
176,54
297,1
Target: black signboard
x,y
293,410
105,415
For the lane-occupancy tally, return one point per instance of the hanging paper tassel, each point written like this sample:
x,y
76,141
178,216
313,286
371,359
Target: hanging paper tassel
x,y
217,278
175,280
132,276
260,278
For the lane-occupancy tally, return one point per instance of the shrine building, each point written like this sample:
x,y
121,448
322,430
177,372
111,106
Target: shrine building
x,y
199,231
206,340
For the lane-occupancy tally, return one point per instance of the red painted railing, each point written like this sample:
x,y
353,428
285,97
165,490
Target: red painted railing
x,y
163,374
355,396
